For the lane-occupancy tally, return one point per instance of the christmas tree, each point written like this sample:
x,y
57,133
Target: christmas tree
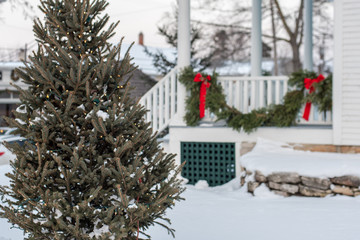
x,y
91,167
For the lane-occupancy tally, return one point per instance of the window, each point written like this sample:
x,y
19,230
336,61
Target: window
x,y
4,94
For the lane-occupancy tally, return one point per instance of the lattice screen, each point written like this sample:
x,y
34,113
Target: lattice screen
x,y
213,162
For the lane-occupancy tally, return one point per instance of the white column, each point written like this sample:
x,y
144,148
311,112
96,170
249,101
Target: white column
x,y
256,42
337,89
183,48
308,35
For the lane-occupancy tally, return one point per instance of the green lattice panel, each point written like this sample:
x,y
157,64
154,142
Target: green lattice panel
x,y
213,162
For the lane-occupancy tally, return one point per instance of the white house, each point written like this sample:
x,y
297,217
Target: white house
x,y
210,149
9,95
346,87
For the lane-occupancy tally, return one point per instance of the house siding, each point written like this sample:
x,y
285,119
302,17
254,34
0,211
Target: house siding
x,y
347,73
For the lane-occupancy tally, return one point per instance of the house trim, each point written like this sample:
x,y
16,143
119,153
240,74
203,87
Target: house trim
x,y
338,72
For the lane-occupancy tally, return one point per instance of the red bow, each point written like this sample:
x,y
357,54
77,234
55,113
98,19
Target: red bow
x,y
204,85
309,85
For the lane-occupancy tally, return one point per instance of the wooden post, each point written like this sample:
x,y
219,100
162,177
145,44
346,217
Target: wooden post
x,y
308,34
183,48
256,42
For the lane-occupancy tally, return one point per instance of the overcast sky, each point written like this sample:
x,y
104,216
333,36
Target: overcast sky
x,y
135,16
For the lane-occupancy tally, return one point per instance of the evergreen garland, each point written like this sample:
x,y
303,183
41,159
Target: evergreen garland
x,y
280,115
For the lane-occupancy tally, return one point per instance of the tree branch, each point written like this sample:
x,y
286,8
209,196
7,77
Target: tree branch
x,y
283,20
276,38
244,29
299,18
301,34
221,25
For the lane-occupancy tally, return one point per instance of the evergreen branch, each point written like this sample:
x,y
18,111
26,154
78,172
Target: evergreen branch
x,y
53,110
170,230
70,100
43,175
39,158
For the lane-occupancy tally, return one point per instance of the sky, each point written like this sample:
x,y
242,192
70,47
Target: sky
x,y
135,16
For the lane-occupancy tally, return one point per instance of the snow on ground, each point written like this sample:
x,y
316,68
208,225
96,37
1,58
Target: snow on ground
x,y
229,212
223,213
280,157
6,233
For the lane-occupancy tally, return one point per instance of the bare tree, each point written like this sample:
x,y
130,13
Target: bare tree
x,y
295,36
27,8
225,28
201,55
273,28
286,26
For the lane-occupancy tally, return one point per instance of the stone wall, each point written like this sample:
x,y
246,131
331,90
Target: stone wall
x,y
288,184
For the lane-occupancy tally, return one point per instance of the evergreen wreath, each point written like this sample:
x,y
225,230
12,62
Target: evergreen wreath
x,y
279,115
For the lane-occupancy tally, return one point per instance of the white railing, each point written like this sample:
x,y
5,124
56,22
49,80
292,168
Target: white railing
x,y
248,93
160,101
243,93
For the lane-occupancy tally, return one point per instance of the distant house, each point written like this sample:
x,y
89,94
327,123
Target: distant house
x,y
144,62
9,96
140,83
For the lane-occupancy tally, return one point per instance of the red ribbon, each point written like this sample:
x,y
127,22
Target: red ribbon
x,y
204,85
309,85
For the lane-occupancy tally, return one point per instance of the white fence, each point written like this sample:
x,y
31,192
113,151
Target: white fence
x,y
161,101
248,93
243,93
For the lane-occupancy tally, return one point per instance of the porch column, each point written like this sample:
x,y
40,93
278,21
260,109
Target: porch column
x,y
308,34
183,49
256,42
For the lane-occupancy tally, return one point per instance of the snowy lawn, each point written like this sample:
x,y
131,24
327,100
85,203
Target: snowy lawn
x,y
271,156
223,213
229,212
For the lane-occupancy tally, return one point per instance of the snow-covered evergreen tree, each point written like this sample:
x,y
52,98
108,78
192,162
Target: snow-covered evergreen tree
x,y
91,168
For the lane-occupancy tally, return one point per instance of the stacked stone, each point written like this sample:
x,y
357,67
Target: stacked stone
x,y
288,184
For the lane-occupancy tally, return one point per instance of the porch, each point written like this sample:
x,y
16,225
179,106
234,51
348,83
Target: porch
x,y
203,146
166,101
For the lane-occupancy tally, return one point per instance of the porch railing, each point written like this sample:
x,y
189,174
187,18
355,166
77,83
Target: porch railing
x,y
248,93
244,93
161,101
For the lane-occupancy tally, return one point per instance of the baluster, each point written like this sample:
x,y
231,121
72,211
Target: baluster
x,y
261,93
320,116
173,92
253,95
277,92
161,105
311,116
246,97
285,87
237,95
155,110
226,90
230,92
167,107
269,92
148,107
